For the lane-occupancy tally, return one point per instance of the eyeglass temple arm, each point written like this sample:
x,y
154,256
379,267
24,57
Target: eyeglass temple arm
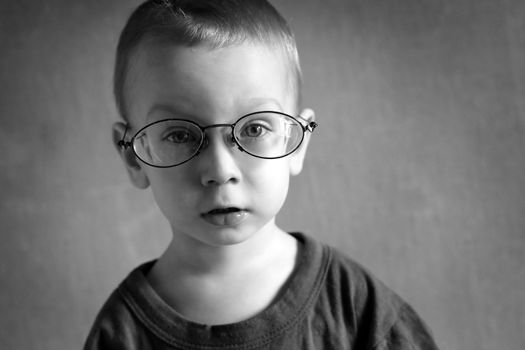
x,y
310,126
122,143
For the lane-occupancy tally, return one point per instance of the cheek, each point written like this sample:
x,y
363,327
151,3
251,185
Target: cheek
x,y
170,189
270,180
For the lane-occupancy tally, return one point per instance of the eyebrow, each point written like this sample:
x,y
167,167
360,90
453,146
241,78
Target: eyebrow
x,y
257,101
173,110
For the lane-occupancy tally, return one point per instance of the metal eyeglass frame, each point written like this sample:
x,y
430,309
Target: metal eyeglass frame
x,y
310,127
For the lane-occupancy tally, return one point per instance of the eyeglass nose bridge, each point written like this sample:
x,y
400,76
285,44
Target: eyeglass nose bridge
x,y
206,140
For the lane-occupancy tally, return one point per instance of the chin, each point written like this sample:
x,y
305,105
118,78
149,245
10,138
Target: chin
x,y
226,236
206,234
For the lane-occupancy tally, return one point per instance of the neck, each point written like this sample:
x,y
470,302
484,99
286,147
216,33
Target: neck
x,y
186,255
224,284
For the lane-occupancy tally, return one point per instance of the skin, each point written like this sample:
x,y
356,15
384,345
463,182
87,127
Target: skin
x,y
215,274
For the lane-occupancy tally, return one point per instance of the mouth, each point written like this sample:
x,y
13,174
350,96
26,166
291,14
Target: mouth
x,y
229,216
224,211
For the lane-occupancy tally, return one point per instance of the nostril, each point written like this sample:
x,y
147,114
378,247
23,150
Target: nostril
x,y
218,181
218,167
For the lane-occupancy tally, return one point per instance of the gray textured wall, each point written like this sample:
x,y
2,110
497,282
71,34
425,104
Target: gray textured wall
x,y
417,169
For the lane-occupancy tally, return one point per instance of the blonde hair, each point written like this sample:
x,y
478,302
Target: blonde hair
x,y
217,23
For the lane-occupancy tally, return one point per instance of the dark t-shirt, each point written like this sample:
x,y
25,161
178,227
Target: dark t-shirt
x,y
329,302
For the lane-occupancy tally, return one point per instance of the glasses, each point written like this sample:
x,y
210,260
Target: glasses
x,y
171,142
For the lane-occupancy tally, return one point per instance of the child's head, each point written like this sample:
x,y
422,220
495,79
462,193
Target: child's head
x,y
214,23
209,91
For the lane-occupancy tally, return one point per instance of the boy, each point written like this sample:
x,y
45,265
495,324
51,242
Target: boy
x,y
209,92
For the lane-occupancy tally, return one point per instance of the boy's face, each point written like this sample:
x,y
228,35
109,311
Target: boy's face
x,y
222,196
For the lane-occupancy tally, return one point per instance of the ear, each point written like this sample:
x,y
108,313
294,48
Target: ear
x,y
297,158
135,169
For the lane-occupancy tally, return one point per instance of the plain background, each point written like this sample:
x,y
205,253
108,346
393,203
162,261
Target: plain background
x,y
417,169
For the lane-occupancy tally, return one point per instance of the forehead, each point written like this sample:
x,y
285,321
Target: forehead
x,y
203,81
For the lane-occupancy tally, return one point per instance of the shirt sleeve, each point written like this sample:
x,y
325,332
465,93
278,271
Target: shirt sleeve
x,y
378,318
409,332
115,328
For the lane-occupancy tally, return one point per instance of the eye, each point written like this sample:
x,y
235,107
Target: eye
x,y
179,135
255,129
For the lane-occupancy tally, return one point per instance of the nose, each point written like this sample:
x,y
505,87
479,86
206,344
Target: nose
x,y
217,163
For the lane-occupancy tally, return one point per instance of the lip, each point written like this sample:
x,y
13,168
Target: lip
x,y
225,216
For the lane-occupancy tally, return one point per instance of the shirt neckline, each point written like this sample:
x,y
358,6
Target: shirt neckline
x,y
299,293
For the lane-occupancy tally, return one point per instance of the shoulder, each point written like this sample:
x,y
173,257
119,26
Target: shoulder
x,y
355,281
377,317
116,325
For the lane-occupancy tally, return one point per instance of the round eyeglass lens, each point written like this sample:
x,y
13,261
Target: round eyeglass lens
x,y
167,142
268,134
